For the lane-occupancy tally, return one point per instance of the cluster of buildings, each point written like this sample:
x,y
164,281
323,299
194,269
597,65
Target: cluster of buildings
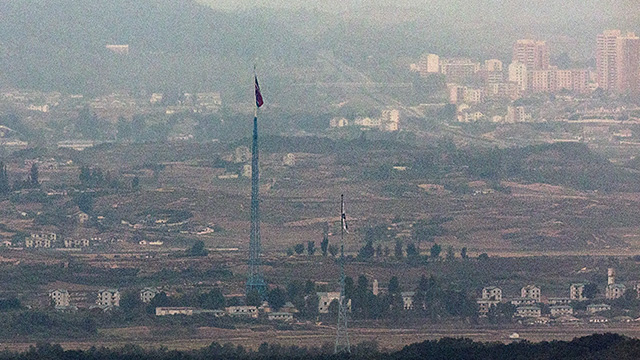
x,y
530,71
389,120
528,305
50,240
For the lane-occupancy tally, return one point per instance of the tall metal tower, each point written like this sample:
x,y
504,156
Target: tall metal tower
x,y
342,335
255,281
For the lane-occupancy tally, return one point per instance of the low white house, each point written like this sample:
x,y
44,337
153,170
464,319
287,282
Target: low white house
x,y
528,312
248,311
280,316
165,311
596,308
561,310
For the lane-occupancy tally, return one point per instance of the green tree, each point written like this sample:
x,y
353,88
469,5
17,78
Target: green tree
x,y
85,202
367,251
451,256
483,256
130,302
197,249
160,300
276,298
399,254
135,183
33,177
334,307
333,250
309,287
324,245
213,299
435,251
253,298
5,186
590,290
412,252
463,253
299,248
394,285
311,248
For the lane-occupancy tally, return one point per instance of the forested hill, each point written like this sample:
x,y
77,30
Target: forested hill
x,y
60,44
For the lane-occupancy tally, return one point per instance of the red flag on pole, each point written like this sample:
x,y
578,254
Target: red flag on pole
x,y
259,100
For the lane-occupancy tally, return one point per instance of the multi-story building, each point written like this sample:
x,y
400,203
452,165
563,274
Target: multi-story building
x,y
459,69
60,298
165,311
618,62
559,301
76,243
532,53
492,293
528,311
248,311
147,294
576,292
407,299
41,240
108,298
521,301
554,80
484,305
518,74
517,114
531,292
614,291
503,90
595,308
561,310
429,64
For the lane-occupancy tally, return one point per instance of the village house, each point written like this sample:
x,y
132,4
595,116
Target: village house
x,y
530,291
559,301
615,291
407,299
147,294
60,298
576,292
165,311
522,301
561,310
76,243
596,308
484,305
108,298
325,299
528,311
598,320
492,293
40,240
280,316
248,311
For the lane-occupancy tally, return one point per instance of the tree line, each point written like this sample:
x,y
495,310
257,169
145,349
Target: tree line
x,y
594,347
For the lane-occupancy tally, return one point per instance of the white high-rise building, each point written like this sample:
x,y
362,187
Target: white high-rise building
x,y
429,64
518,75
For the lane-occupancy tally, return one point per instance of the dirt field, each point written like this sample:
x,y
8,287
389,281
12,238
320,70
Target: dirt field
x,y
325,335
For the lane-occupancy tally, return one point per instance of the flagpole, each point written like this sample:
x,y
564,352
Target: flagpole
x,y
342,344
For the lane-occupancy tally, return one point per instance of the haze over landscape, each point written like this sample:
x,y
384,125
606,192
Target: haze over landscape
x,y
487,152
